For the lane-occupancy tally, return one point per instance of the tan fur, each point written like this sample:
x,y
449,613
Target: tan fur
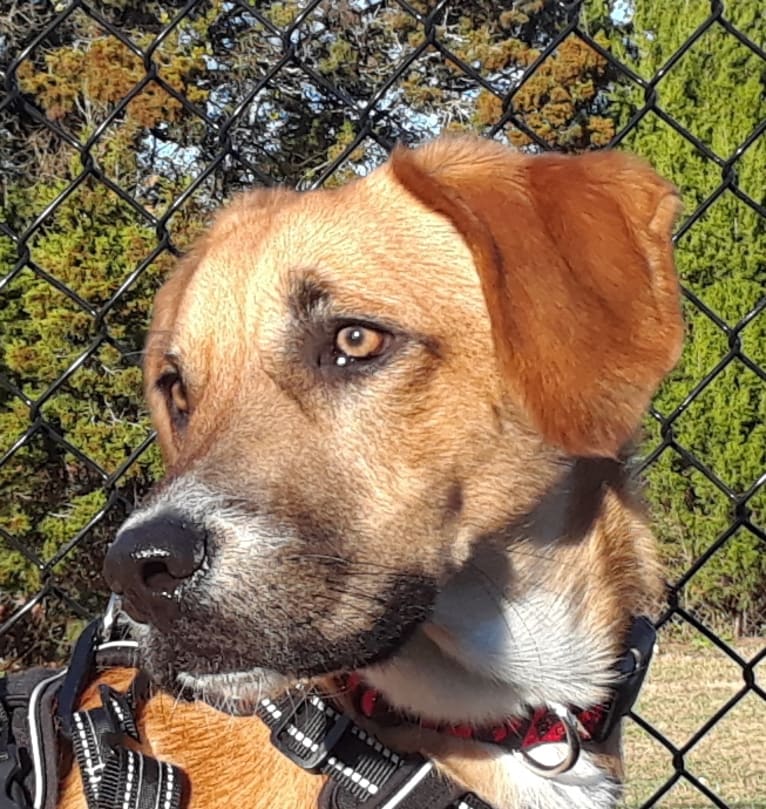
x,y
539,310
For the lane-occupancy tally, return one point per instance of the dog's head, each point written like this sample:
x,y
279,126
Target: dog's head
x,y
354,388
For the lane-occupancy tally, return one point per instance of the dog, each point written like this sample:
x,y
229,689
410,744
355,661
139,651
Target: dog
x,y
397,418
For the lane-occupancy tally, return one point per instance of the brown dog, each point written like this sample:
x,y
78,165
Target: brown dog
x,y
394,417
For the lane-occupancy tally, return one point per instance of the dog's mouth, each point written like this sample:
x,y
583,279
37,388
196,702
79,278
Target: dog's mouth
x,y
233,664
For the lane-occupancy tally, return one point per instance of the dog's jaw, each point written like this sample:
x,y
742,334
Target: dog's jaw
x,y
235,693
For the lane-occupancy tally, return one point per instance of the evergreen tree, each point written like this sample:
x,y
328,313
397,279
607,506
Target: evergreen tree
x,y
717,93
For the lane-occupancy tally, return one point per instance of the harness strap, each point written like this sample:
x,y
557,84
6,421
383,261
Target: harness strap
x,y
113,775
11,791
362,771
34,736
29,755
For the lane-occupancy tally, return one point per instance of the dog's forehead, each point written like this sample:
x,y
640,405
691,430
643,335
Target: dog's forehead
x,y
371,246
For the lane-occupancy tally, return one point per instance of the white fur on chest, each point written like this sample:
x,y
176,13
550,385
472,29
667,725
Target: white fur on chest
x,y
485,655
585,786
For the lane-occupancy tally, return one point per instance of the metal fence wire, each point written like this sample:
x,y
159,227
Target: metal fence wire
x,y
270,97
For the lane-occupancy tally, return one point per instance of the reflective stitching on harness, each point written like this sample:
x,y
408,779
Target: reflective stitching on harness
x,y
116,707
95,780
271,708
128,781
343,769
302,738
91,769
355,776
160,784
372,742
35,740
169,786
140,780
409,786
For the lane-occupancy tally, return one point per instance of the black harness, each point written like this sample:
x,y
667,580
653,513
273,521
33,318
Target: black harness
x,y
40,736
41,730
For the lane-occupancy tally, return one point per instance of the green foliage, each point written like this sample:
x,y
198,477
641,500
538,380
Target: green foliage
x,y
91,244
717,91
72,417
81,284
73,319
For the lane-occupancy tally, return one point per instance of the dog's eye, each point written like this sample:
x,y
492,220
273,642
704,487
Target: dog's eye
x,y
171,384
354,343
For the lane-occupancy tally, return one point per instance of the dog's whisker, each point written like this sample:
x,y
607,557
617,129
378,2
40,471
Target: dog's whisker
x,y
503,603
523,547
364,567
361,595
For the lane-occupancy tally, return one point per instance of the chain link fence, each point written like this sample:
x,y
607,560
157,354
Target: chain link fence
x,y
195,121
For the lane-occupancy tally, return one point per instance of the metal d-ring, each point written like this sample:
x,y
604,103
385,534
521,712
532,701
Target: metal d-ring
x,y
108,618
572,752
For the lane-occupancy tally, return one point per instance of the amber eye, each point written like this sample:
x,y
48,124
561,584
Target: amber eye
x,y
359,343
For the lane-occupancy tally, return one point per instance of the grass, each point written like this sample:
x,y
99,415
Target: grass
x,y
685,688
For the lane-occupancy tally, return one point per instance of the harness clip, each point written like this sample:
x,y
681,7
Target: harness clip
x,y
308,732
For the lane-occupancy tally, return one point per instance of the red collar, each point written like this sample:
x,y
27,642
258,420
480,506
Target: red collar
x,y
539,726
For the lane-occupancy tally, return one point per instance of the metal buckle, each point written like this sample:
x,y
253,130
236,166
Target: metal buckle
x,y
109,617
632,668
309,750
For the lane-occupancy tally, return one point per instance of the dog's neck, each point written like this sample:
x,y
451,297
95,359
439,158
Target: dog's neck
x,y
488,654
516,628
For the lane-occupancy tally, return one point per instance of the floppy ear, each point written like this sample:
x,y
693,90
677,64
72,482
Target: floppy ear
x,y
576,266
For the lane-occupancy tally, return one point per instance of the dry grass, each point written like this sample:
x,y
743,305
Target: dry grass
x,y
686,686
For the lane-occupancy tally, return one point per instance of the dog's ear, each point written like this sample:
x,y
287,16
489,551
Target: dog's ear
x,y
576,266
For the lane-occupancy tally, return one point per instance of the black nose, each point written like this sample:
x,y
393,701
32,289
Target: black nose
x,y
150,560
